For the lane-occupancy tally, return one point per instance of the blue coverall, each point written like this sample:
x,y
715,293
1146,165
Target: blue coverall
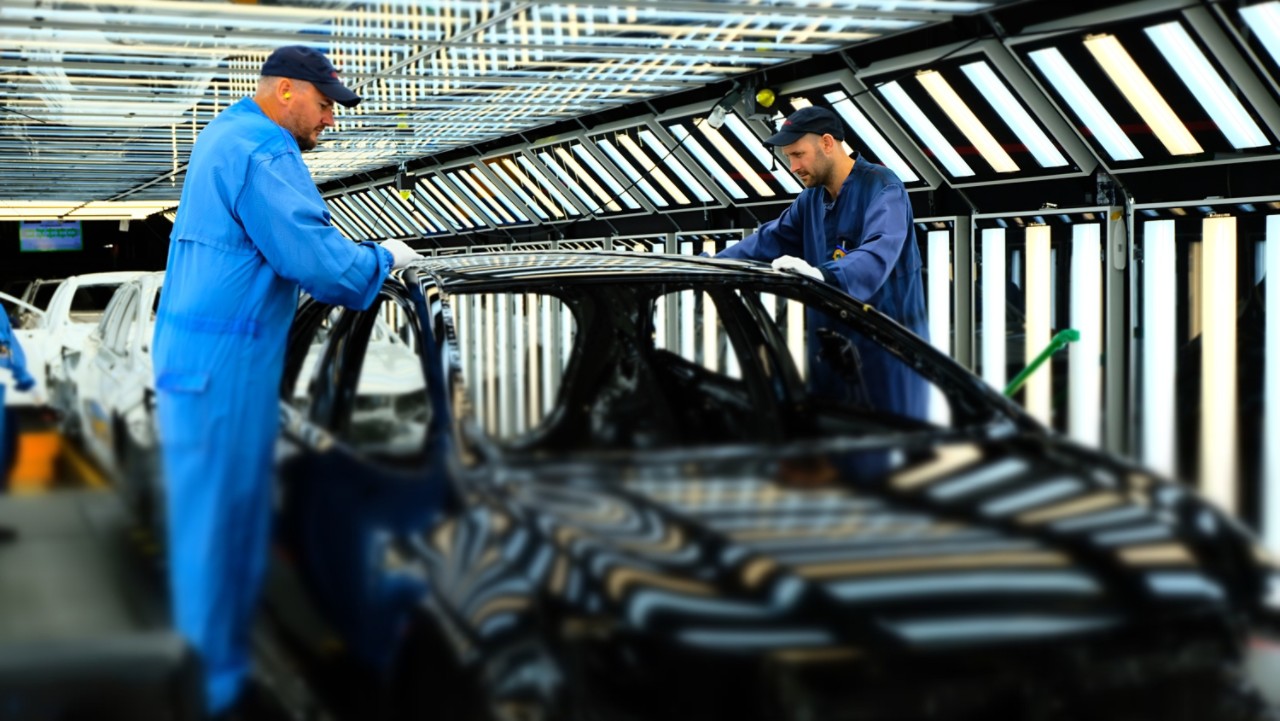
x,y
12,358
251,229
871,223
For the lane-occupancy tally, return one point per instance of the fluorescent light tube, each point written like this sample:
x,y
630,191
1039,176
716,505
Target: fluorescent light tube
x,y
1206,85
1264,20
1218,436
993,280
876,142
1142,95
1084,357
1097,121
972,128
927,131
1038,396
1012,112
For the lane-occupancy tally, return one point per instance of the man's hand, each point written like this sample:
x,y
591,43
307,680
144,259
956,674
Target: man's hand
x,y
792,264
38,399
401,254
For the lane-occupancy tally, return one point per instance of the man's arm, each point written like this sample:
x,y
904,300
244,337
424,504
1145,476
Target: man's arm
x,y
17,360
885,228
286,218
781,236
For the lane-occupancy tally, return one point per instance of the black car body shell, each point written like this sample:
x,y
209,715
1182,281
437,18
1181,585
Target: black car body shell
x,y
990,541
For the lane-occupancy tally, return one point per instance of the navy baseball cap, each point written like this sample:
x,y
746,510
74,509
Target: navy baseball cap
x,y
303,63
804,121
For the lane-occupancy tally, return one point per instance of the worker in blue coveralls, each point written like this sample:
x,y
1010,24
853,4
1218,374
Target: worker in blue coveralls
x,y
15,361
851,227
251,230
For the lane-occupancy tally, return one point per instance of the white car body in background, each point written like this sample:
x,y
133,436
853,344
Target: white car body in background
x,y
114,381
61,328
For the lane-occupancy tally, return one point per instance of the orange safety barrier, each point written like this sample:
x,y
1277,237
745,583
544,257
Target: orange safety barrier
x,y
37,462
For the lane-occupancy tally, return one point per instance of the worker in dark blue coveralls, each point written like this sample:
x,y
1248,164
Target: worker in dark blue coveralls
x,y
15,361
251,230
851,227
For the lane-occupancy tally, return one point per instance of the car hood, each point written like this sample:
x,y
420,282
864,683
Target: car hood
x,y
967,542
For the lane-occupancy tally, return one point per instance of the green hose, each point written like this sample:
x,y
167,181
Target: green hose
x,y
1060,340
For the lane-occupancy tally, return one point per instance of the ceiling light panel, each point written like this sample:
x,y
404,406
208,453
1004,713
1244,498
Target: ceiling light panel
x,y
656,171
1150,92
1260,26
482,195
964,114
734,157
132,84
597,189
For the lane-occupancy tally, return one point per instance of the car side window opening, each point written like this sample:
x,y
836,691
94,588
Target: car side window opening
x,y
110,320
89,302
828,354
513,349
122,333
388,415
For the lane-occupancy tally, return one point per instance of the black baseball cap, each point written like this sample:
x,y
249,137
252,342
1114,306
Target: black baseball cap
x,y
303,63
804,121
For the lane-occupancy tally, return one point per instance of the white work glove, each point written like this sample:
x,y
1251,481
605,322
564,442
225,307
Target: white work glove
x,y
38,398
792,264
401,254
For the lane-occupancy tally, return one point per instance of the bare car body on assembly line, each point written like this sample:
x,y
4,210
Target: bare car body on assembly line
x,y
615,495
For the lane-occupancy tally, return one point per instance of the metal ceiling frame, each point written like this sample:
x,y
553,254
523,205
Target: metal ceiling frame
x,y
1205,28
115,93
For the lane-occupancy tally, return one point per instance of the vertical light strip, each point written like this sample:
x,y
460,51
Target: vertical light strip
x,y
1159,347
928,132
550,370
972,128
1084,366
1218,367
519,349
1039,292
533,308
1142,95
1206,85
710,338
993,282
490,369
1271,397
938,264
796,335
1085,104
462,327
1012,113
876,143
686,318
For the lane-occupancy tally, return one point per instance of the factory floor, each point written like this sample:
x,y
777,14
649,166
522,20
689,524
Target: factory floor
x,y
80,570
